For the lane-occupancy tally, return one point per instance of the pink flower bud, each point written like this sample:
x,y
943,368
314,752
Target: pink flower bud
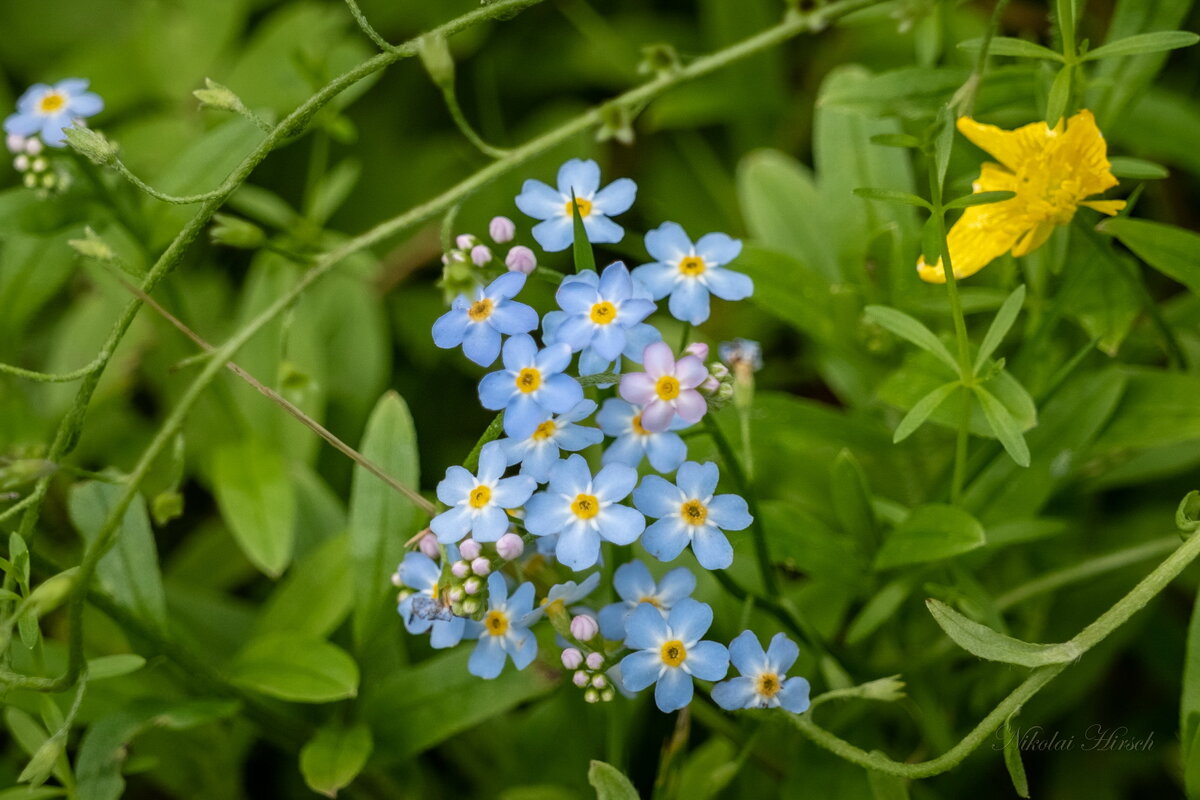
x,y
697,349
584,627
465,241
469,549
460,569
480,254
595,660
481,566
510,546
580,679
473,585
710,385
520,259
429,545
599,681
396,579
572,658
502,229
33,145
457,594
15,143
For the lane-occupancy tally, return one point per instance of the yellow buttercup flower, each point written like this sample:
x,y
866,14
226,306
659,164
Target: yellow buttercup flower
x,y
1052,171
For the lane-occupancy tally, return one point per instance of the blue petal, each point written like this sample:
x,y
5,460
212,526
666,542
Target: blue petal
x,y
570,476
615,284
729,512
53,129
675,586
497,590
592,363
496,389
794,695
447,632
538,462
520,352
455,486
487,659
689,620
521,601
718,249
559,393
412,623
581,410
87,104
656,497
698,480
645,628
735,693
640,669
782,653
616,198
614,482
452,525
72,86
511,317
666,539
608,341
673,690
612,620
658,278
712,548
625,450
602,230
419,571
576,332
633,581
634,311
727,284
576,297
668,242
505,287
614,416
577,437
22,124
708,661
449,329
491,462
666,450
747,654
637,339
621,524
522,415
481,344
552,359
490,524
523,648
578,547
689,302
546,514
579,176
513,492
539,200
550,325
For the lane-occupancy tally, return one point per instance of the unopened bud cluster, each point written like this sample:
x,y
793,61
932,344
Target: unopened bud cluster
x,y
464,584
470,254
37,169
588,671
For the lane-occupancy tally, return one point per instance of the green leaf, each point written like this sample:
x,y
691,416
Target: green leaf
x,y
585,259
1000,326
982,641
885,786
979,199
921,410
1097,288
1012,759
381,519
316,594
930,533
1060,93
333,189
1137,168
1189,701
882,606
895,140
114,666
892,196
334,757
302,669
1159,408
1173,251
851,498
610,783
909,328
1155,42
1008,46
43,748
1004,426
129,571
31,792
43,762
257,500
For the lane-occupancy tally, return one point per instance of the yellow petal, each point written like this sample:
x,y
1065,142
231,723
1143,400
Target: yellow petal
x,y
1105,206
1033,239
1010,148
980,235
1084,151
994,178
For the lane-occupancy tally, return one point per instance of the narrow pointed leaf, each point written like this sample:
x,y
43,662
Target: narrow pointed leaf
x,y
907,327
585,259
979,199
1008,46
1173,251
1004,426
930,533
892,196
1000,326
982,641
1155,42
920,412
1012,759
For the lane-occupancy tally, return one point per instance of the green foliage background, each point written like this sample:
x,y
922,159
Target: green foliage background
x,y
272,617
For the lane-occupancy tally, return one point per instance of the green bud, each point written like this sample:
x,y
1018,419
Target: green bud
x,y
23,471
616,122
435,55
93,247
236,232
52,592
92,144
886,690
1187,516
166,506
214,95
658,59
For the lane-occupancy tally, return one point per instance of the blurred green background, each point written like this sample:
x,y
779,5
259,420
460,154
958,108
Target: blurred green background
x,y
699,159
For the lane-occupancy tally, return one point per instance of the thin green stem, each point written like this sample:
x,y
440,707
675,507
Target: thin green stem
x,y
368,28
684,336
460,120
179,200
53,377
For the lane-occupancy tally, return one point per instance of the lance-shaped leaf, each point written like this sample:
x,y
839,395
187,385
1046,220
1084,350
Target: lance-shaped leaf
x,y
982,641
920,412
909,328
1155,42
1007,430
1001,323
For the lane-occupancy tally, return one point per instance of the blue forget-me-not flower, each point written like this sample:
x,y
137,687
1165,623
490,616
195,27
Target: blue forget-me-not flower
x,y
635,585
502,635
48,110
531,386
689,513
477,324
670,652
690,272
623,421
580,179
763,682
420,610
477,502
539,451
602,317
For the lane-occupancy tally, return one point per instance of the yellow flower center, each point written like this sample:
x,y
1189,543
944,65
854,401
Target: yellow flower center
x,y
496,623
529,379
545,430
585,506
479,497
768,684
693,512
480,309
652,601
52,102
673,653
584,206
603,313
691,265
667,387
636,424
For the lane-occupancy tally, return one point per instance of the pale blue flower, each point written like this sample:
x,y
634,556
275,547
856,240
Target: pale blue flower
x,y
47,110
477,502
763,682
477,324
501,634
623,421
689,513
539,451
567,593
670,652
421,610
635,585
582,179
531,386
582,510
688,273
602,317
